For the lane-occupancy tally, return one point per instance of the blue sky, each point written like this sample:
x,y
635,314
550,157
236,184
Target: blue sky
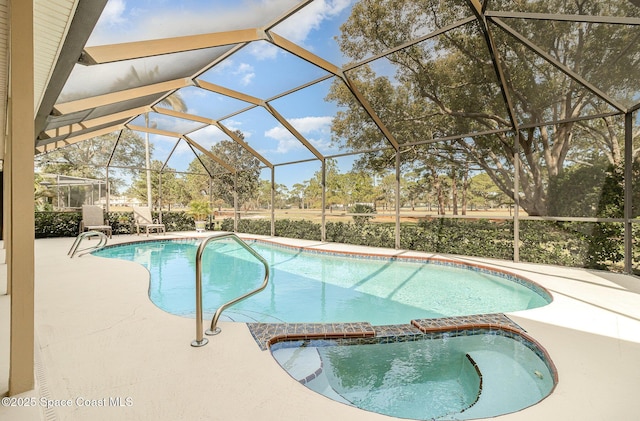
x,y
260,69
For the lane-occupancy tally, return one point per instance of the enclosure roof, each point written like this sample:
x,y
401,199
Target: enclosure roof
x,y
196,72
67,180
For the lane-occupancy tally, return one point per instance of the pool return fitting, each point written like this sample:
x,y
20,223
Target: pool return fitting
x,y
213,329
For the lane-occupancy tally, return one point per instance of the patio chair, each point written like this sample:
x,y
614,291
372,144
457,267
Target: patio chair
x,y
93,220
142,218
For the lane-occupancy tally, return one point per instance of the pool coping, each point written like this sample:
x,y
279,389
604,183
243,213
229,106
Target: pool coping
x,y
521,280
268,334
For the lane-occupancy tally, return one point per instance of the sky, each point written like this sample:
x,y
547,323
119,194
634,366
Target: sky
x,y
261,70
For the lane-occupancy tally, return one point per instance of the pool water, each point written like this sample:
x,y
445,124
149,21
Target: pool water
x,y
318,287
453,378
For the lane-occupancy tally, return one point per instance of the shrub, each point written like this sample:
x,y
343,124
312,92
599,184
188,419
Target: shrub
x,y
67,224
361,208
304,230
574,244
375,235
467,237
57,224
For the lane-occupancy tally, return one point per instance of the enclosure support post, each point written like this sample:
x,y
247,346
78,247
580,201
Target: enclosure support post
x,y
397,207
160,196
323,234
628,192
235,202
147,159
58,192
108,190
211,199
516,198
113,151
273,200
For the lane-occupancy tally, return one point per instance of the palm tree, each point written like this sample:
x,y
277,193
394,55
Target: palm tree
x,y
173,101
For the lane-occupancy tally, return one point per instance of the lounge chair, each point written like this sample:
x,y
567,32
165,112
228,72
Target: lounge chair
x,y
93,220
142,218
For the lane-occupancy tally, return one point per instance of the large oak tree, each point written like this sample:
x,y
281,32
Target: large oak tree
x,y
448,85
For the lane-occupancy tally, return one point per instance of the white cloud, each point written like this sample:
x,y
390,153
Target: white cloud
x,y
310,18
113,12
224,65
286,141
312,124
172,18
263,50
207,136
245,73
316,130
234,125
244,68
246,79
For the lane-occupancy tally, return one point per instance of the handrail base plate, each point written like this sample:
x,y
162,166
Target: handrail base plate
x,y
215,331
197,344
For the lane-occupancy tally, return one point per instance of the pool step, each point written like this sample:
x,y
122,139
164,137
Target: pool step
x,y
305,365
506,386
302,363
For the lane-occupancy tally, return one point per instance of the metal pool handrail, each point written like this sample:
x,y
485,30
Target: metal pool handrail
x,y
74,248
213,329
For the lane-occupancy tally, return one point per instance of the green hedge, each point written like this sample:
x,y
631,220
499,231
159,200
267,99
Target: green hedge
x,y
304,230
67,224
481,238
574,244
57,224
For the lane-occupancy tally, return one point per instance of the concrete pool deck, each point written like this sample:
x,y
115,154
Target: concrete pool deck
x,y
105,349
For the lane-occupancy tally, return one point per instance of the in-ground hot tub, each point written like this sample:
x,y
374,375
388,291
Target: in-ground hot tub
x,y
449,375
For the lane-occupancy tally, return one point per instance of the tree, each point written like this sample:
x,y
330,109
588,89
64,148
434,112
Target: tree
x,y
263,198
386,191
484,193
245,182
90,157
171,186
281,195
313,192
41,194
334,192
358,187
448,86
297,193
173,189
135,79
415,190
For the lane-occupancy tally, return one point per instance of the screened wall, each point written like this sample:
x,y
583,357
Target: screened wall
x,y
519,114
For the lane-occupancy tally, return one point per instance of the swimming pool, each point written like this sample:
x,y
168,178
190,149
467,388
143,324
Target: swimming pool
x,y
457,375
322,287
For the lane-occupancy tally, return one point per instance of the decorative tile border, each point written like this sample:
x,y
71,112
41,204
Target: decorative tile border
x,y
527,283
479,374
186,240
269,335
482,321
266,334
